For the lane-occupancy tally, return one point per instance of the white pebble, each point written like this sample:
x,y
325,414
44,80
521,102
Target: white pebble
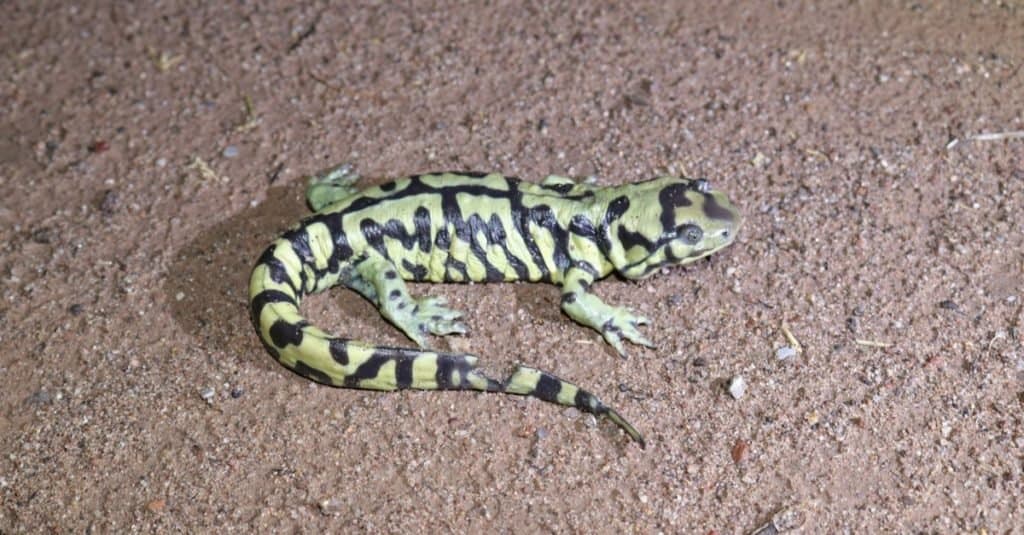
x,y
207,394
737,387
785,352
230,151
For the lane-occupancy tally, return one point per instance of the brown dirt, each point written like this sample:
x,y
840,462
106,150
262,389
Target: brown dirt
x,y
124,266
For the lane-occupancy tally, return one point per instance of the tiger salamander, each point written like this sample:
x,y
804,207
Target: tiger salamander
x,y
460,227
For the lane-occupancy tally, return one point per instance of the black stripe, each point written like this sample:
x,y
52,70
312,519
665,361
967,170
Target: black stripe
x,y
616,208
367,370
585,266
446,364
299,240
276,269
475,226
342,250
419,273
271,296
544,217
670,198
629,239
403,372
715,211
265,298
309,372
560,189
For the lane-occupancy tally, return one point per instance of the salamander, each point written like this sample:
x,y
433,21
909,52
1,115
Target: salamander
x,y
479,227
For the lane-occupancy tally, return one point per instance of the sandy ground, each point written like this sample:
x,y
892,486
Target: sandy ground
x,y
148,153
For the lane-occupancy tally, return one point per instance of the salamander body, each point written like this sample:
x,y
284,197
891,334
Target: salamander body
x,y
461,227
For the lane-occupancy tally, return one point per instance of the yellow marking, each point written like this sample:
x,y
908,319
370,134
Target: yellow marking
x,y
496,257
493,181
320,244
477,381
275,311
316,352
311,280
435,264
455,378
284,252
586,250
567,393
523,381
358,353
261,280
475,269
386,379
546,245
424,371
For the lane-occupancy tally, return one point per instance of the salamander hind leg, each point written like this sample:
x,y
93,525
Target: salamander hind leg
x,y
414,317
330,186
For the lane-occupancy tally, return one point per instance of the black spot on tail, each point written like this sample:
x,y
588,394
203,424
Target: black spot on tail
x,y
283,333
547,388
585,401
339,350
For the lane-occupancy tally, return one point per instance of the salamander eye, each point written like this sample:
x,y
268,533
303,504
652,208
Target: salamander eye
x,y
690,234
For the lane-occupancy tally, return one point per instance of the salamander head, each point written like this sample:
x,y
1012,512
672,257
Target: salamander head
x,y
668,221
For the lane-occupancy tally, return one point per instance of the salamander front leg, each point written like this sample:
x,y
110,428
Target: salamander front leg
x,y
614,323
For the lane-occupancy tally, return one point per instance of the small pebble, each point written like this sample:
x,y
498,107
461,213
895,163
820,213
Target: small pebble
x,y
40,397
42,235
237,392
330,507
207,394
156,506
737,387
230,151
739,450
785,352
110,202
75,309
